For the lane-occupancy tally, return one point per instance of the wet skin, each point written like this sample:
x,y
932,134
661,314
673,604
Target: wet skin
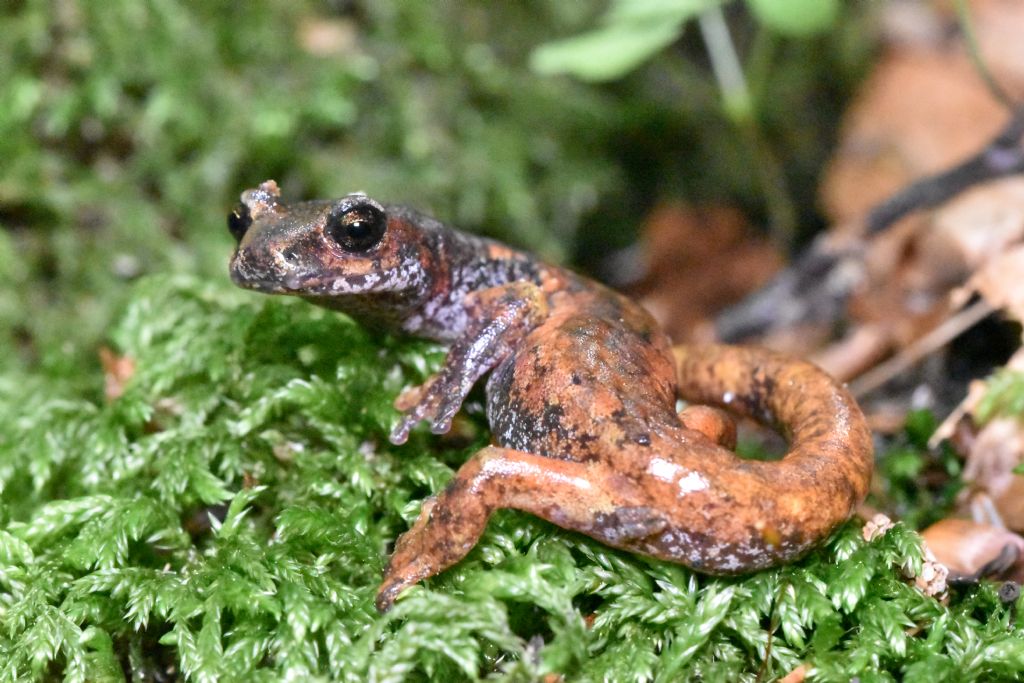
x,y
581,395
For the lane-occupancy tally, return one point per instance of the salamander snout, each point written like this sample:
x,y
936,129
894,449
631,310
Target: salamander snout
x,y
278,247
261,264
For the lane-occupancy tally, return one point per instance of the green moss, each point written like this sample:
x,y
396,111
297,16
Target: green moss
x,y
915,483
229,516
1004,396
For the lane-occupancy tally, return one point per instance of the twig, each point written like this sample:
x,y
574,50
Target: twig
x,y
950,329
1003,156
814,289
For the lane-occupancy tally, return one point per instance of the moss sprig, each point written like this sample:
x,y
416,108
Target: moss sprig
x,y
229,515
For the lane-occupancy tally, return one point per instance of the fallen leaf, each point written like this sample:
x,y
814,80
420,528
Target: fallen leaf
x,y
1001,280
996,450
918,113
699,260
971,550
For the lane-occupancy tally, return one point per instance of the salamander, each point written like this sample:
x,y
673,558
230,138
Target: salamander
x,y
581,397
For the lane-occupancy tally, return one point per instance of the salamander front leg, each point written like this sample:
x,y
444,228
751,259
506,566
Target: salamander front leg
x,y
505,314
570,494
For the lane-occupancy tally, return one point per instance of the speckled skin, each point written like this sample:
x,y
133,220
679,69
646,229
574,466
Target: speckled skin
x,y
581,397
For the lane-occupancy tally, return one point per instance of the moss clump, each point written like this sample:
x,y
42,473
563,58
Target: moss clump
x,y
228,517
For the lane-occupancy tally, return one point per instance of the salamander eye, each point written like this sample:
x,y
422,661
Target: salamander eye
x,y
239,221
357,228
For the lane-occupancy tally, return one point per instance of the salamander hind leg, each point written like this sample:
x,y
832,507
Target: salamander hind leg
x,y
713,423
573,495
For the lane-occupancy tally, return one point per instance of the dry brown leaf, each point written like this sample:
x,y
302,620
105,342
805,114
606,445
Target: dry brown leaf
x,y
919,113
967,547
995,451
925,107
982,222
1001,280
700,259
922,111
997,24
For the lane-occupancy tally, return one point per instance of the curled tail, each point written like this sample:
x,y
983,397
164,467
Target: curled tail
x,y
782,508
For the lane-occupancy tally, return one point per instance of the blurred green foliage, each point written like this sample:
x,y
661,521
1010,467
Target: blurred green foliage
x,y
916,483
127,129
1004,396
633,31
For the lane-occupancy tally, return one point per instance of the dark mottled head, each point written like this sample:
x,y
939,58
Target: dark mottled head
x,y
348,253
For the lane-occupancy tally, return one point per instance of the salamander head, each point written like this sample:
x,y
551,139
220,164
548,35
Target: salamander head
x,y
328,251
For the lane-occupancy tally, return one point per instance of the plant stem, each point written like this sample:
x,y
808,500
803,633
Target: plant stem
x,y
739,107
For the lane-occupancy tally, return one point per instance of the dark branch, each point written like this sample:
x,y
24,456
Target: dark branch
x,y
815,288
1002,157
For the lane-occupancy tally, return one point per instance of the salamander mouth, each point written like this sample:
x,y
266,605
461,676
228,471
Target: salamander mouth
x,y
271,280
263,286
286,285
270,274
299,285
